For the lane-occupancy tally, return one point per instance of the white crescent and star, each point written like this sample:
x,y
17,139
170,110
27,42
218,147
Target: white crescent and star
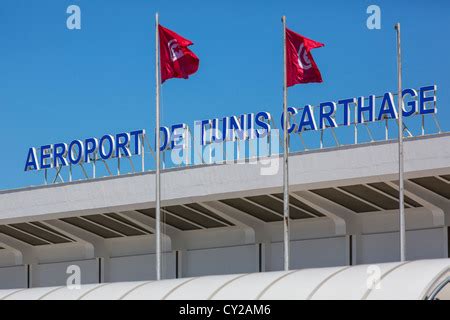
x,y
175,50
303,59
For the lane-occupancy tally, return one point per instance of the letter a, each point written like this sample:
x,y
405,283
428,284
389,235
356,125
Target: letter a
x,y
74,280
374,20
31,163
74,20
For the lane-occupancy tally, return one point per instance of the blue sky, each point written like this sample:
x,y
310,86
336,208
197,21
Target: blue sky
x,y
57,85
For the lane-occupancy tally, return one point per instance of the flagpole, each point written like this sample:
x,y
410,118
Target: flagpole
x,y
285,157
157,151
400,148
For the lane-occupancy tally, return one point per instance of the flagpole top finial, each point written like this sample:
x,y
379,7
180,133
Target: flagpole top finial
x,y
397,26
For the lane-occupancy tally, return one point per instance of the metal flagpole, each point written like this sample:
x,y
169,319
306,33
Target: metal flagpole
x,y
157,151
285,157
400,148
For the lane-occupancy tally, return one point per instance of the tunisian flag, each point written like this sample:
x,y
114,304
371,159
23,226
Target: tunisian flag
x,y
177,61
300,65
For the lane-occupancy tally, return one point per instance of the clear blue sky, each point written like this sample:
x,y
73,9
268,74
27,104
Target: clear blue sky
x,y
57,85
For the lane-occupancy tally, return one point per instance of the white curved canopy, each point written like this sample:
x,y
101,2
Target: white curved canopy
x,y
408,280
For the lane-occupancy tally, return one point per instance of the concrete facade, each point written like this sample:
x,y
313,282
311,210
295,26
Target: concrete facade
x,y
338,236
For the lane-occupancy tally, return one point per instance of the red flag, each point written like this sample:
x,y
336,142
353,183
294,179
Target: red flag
x,y
177,61
300,65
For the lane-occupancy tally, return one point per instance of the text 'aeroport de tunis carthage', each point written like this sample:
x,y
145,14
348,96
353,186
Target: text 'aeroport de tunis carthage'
x,y
232,128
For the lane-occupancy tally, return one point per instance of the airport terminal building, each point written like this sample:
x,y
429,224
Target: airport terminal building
x,y
224,219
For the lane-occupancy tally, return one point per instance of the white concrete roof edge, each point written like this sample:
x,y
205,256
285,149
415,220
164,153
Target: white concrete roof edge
x,y
396,284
